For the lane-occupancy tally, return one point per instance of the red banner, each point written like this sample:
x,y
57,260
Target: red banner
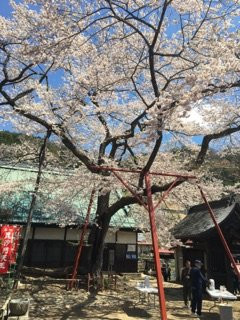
x,y
15,245
9,236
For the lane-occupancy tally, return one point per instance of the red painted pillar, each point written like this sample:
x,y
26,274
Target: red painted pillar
x,y
161,295
79,250
222,238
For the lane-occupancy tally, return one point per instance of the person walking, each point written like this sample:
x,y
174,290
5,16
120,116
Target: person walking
x,y
186,282
197,282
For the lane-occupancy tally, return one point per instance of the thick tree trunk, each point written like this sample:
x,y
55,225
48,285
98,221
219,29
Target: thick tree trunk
x,y
98,233
98,246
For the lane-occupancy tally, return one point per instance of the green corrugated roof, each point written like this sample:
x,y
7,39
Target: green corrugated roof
x,y
20,182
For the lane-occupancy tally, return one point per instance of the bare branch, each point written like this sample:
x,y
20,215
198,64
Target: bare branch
x,y
128,200
151,159
208,138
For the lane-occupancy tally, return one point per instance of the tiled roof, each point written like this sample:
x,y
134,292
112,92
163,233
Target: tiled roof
x,y
18,202
198,222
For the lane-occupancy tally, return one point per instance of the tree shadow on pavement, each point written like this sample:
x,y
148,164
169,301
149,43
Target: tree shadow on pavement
x,y
133,311
76,310
173,294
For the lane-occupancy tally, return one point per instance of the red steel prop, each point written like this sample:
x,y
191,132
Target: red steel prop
x,y
166,193
225,245
79,250
166,174
130,190
150,208
151,211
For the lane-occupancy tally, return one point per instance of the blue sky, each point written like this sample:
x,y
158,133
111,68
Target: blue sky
x,y
54,77
6,11
5,8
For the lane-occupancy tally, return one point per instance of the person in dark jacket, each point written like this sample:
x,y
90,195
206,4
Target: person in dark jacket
x,y
197,282
204,272
186,282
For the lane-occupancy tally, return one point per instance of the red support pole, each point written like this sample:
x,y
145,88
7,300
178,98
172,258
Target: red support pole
x,y
79,250
166,193
167,174
161,295
130,189
225,245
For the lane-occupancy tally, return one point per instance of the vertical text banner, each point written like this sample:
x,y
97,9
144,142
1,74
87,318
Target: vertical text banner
x,y
9,236
15,245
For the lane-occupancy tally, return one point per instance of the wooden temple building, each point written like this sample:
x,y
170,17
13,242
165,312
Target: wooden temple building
x,y
52,245
201,241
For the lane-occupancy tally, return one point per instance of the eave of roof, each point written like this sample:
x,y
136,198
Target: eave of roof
x,y
198,222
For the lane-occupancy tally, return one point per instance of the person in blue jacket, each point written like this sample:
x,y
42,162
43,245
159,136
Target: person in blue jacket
x,y
197,283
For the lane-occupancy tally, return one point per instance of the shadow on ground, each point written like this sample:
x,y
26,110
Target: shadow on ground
x,y
132,311
173,294
76,310
55,303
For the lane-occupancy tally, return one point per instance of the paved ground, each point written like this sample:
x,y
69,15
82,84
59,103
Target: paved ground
x,y
55,303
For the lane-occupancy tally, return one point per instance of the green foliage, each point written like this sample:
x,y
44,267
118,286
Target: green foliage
x,y
9,138
59,154
227,168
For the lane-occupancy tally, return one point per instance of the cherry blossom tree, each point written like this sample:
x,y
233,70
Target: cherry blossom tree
x,y
119,83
